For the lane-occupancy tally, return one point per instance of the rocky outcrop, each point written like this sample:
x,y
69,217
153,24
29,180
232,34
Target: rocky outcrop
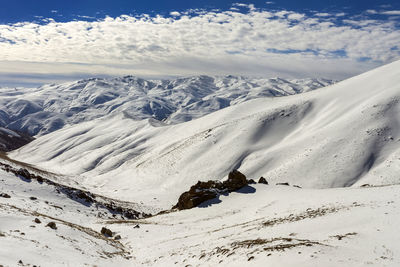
x,y
203,191
106,232
262,180
85,197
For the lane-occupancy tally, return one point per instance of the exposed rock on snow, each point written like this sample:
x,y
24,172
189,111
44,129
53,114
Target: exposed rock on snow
x,y
262,180
106,232
5,195
85,197
52,225
203,191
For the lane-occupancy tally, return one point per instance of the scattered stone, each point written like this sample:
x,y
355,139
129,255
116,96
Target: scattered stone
x,y
282,183
106,232
117,237
85,196
251,181
24,173
33,198
5,195
137,226
262,180
52,225
298,186
37,220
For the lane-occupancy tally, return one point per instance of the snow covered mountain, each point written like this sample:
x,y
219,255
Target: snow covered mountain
x,y
42,110
344,135
340,144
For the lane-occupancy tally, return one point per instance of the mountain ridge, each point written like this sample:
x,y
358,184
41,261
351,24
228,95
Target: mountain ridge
x,y
38,111
338,136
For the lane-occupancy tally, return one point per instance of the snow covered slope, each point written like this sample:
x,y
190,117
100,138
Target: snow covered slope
x,y
48,108
344,135
261,225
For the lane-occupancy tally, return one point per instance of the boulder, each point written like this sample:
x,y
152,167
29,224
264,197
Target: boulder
x,y
203,191
251,181
24,173
262,180
106,232
5,195
52,225
282,184
236,180
193,198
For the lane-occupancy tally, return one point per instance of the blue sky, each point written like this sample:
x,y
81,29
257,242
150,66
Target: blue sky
x,y
55,41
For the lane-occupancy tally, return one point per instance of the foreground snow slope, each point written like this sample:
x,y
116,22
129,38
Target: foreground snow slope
x,y
344,135
42,110
76,241
261,225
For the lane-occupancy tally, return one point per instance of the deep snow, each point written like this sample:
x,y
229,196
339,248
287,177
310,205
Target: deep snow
x,y
342,135
341,144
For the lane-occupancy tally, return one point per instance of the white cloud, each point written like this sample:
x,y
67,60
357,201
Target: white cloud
x,y
295,16
372,11
175,13
388,12
322,14
391,12
258,43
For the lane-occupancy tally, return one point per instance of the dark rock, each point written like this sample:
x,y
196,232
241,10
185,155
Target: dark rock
x,y
298,186
24,173
85,196
203,191
33,198
37,220
106,232
52,225
137,226
236,180
5,195
251,181
117,237
193,198
262,180
282,183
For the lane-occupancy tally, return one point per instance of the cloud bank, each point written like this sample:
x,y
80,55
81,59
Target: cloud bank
x,y
255,42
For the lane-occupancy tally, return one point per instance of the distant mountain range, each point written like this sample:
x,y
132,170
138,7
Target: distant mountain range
x,y
39,111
